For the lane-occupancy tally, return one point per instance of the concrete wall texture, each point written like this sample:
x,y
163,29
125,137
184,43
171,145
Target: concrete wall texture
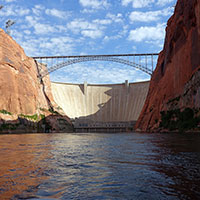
x,y
105,103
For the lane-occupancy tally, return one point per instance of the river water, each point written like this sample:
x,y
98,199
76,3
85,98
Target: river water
x,y
100,166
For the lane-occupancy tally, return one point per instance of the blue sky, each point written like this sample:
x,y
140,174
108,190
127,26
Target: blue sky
x,y
82,27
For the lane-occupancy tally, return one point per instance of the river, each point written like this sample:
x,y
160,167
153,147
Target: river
x,y
100,166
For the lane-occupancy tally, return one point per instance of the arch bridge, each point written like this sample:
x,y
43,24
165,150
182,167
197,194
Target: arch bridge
x,y
143,62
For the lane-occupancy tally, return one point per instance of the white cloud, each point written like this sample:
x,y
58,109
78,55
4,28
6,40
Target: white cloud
x,y
31,20
138,3
148,33
102,21
40,28
35,46
59,45
22,12
119,35
61,28
113,37
38,9
126,2
164,2
17,34
57,13
95,4
12,10
109,30
61,40
79,24
6,12
110,18
41,7
88,11
98,72
8,1
92,33
43,28
87,29
115,18
28,32
94,29
149,16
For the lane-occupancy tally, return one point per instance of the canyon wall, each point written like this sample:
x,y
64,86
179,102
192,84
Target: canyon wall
x,y
174,95
22,92
20,89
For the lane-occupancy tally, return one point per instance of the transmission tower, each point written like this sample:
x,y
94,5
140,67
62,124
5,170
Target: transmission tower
x,y
9,23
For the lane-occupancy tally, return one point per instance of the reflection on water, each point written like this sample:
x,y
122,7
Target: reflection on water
x,y
99,166
21,163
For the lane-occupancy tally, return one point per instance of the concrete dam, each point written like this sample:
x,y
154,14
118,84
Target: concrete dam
x,y
102,107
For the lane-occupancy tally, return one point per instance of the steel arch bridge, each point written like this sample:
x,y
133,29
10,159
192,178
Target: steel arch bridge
x,y
143,62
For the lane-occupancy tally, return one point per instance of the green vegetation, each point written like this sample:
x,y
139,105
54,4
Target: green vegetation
x,y
43,109
42,116
179,120
5,112
51,110
30,117
8,127
156,121
58,108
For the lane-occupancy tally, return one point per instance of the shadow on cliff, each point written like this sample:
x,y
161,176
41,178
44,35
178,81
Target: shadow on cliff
x,y
54,123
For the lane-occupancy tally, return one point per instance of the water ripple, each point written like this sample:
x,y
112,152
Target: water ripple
x,y
99,166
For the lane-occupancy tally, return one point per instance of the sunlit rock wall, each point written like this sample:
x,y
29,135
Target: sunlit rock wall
x,y
20,89
23,94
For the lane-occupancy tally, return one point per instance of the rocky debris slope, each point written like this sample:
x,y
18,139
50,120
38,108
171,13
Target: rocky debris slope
x,y
173,101
24,97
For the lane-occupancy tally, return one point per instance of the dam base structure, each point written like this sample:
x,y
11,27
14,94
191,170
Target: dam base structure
x,y
101,107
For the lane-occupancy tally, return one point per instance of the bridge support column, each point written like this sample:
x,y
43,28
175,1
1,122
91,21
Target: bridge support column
x,y
127,85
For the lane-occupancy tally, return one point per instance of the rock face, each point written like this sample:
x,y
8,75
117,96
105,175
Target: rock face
x,y
20,89
175,84
22,92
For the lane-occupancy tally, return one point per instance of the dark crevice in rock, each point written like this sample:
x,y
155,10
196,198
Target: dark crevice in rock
x,y
43,86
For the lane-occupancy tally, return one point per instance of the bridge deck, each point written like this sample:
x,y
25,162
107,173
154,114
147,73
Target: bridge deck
x,y
103,55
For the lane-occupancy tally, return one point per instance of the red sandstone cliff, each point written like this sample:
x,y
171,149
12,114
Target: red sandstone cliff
x,y
21,91
175,84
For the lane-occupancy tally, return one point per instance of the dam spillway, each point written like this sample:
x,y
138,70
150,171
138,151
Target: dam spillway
x,y
101,105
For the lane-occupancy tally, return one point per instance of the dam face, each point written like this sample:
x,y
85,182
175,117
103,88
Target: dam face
x,y
101,106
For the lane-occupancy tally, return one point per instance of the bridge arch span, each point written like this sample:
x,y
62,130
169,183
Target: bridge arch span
x,y
145,69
